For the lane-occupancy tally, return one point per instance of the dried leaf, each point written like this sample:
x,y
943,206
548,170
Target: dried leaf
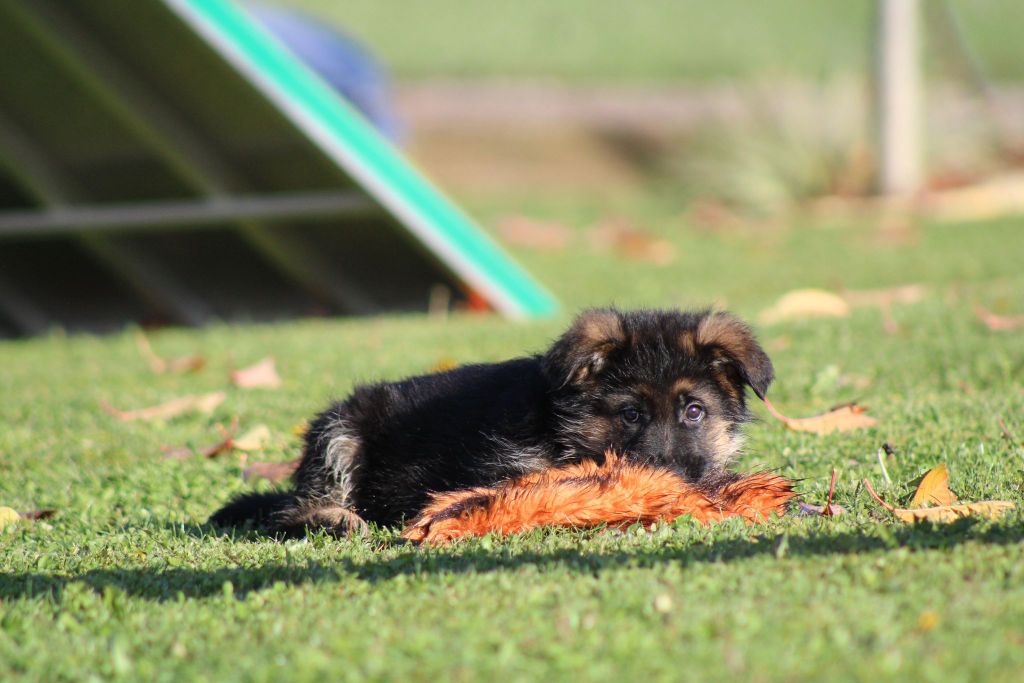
x,y
260,375
632,243
527,232
993,197
928,620
177,452
8,516
1006,432
934,489
203,403
991,509
44,513
828,509
184,452
253,440
842,419
904,294
996,322
444,364
274,472
804,304
811,510
162,365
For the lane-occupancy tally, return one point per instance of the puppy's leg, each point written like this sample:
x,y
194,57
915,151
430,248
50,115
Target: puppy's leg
x,y
325,479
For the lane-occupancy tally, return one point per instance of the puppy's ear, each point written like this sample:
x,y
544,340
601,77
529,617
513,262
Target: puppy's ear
x,y
734,343
583,351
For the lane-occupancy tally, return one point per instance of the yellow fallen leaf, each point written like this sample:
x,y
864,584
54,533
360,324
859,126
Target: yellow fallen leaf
x,y
203,403
904,294
990,509
934,489
444,365
162,365
528,232
274,472
842,419
252,440
928,620
803,304
996,322
260,375
8,516
633,243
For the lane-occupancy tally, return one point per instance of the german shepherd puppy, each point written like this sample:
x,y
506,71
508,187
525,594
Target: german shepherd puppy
x,y
658,387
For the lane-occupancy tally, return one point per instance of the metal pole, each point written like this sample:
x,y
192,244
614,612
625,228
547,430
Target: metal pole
x,y
898,96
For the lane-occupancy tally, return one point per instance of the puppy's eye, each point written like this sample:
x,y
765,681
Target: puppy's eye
x,y
630,415
694,412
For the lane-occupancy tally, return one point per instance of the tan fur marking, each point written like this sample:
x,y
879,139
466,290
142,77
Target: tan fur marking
x,y
728,386
601,326
724,444
722,329
688,343
683,385
599,332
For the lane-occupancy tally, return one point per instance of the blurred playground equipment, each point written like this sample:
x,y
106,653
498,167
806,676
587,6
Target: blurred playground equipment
x,y
172,161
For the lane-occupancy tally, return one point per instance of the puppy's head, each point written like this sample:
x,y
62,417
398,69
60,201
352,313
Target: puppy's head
x,y
658,386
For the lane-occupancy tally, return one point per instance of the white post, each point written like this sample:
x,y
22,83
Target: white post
x,y
898,96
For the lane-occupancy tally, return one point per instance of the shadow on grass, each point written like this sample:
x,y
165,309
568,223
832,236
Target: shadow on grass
x,y
168,584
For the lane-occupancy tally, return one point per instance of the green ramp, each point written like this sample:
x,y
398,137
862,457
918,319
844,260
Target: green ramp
x,y
171,161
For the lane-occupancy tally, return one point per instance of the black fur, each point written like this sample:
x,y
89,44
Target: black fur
x,y
614,380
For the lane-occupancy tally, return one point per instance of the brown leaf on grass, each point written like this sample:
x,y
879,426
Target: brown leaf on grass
x,y
805,304
44,513
274,472
934,489
828,509
183,453
996,322
10,515
444,364
944,514
903,294
885,299
996,196
177,452
259,375
161,365
252,440
203,403
842,419
632,243
1006,431
535,234
714,216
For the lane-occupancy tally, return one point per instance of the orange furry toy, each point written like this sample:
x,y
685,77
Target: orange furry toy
x,y
617,493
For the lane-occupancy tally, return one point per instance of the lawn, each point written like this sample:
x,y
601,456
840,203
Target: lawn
x,y
613,40
126,582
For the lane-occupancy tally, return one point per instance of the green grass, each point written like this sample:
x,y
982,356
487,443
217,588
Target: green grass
x,y
127,584
588,40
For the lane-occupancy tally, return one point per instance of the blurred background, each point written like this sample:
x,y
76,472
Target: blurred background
x,y
759,106
580,135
